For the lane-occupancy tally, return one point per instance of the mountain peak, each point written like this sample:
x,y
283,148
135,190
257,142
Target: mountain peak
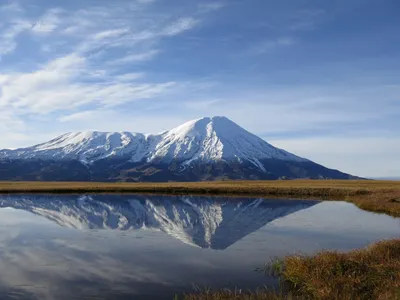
x,y
221,119
215,119
206,125
208,139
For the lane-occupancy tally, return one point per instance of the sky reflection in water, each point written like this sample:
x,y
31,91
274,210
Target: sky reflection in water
x,y
116,247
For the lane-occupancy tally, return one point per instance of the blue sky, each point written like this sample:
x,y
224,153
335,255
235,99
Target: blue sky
x,y
318,78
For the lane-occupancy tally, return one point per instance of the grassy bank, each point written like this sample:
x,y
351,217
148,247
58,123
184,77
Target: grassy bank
x,y
371,273
377,196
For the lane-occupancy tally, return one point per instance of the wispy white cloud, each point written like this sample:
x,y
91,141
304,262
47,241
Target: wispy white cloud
x,y
84,73
114,119
285,28
136,57
129,76
8,35
270,45
11,7
180,26
57,87
49,22
13,128
84,115
109,34
9,120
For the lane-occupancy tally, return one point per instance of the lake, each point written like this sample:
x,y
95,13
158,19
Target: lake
x,y
153,247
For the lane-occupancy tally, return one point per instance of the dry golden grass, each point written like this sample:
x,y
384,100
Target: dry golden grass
x,y
371,273
377,196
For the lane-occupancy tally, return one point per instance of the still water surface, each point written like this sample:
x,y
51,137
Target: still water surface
x,y
153,247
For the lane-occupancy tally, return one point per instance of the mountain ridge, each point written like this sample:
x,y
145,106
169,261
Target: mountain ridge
x,y
209,148
208,138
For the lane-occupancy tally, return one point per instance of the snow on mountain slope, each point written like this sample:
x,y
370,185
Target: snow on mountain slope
x,y
198,221
87,147
205,139
216,138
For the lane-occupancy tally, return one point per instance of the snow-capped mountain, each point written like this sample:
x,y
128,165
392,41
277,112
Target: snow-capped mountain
x,y
206,139
207,148
198,221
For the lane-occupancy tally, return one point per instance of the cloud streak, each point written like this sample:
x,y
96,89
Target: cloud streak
x,y
88,50
57,86
180,26
48,22
9,35
136,57
267,46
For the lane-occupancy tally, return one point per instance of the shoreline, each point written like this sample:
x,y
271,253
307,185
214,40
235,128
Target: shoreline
x,y
368,273
374,196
